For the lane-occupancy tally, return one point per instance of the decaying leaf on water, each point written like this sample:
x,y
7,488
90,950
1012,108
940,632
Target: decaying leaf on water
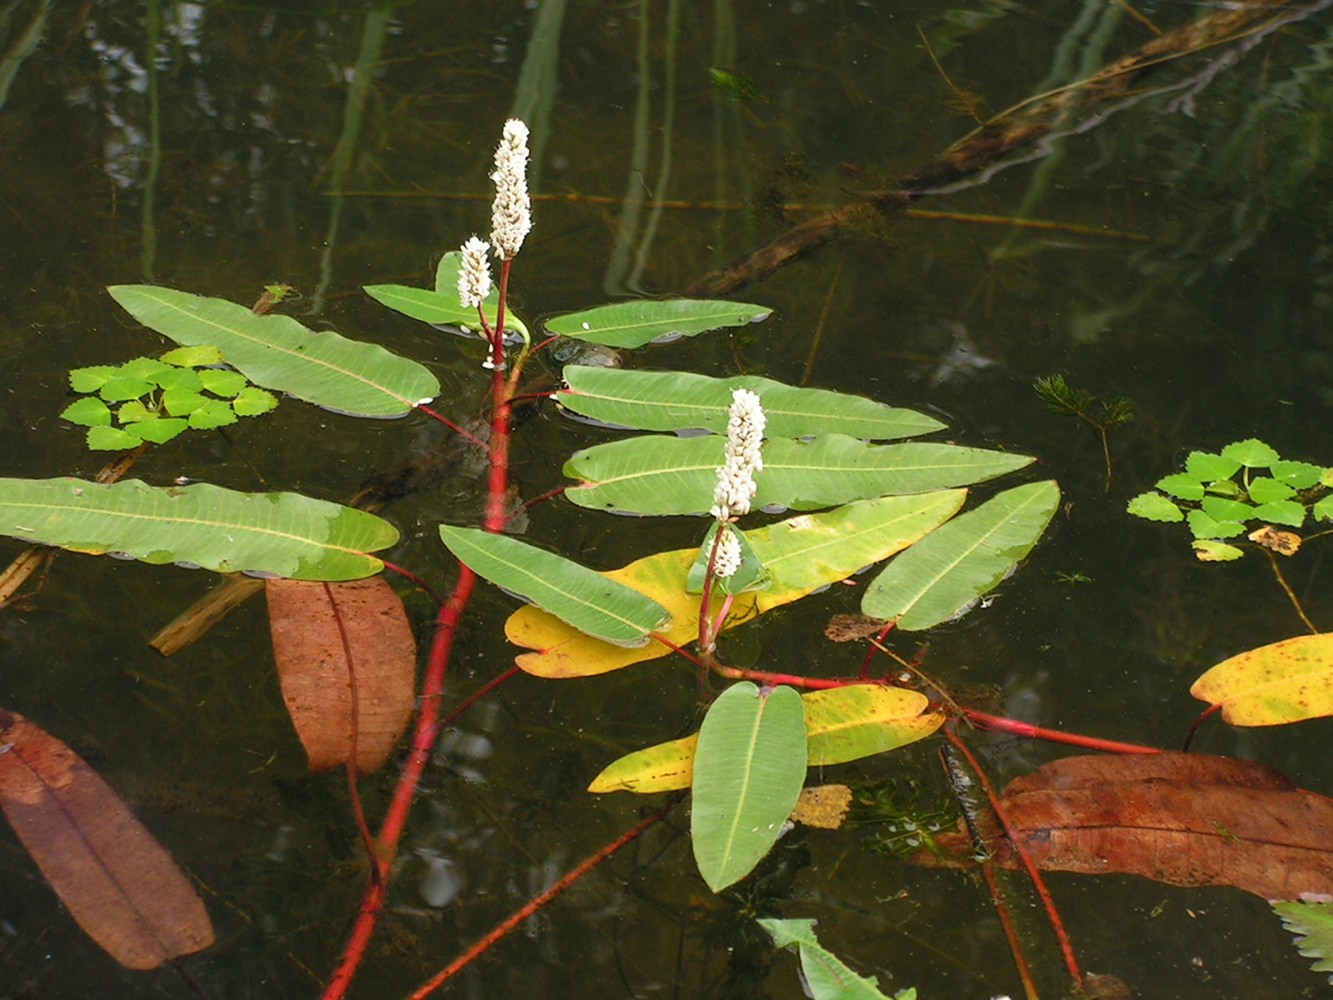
x,y
117,882
309,622
823,806
1182,819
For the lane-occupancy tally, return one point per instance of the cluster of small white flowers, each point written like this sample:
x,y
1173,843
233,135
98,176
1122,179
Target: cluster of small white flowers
x,y
735,477
728,558
511,212
474,275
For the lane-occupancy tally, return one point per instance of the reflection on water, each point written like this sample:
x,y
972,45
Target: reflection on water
x,y
1182,262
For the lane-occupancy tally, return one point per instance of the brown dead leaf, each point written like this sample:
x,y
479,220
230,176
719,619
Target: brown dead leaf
x,y
117,882
824,806
1182,819
1284,543
308,622
849,628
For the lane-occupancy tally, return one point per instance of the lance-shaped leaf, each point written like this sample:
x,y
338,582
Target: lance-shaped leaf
x,y
826,977
677,401
440,306
277,352
656,474
274,534
748,770
801,554
578,596
841,724
1287,681
943,574
633,324
117,882
861,720
333,641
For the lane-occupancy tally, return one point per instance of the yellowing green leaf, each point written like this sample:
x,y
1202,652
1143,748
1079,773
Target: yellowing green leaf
x,y
841,724
800,554
1287,681
748,770
861,720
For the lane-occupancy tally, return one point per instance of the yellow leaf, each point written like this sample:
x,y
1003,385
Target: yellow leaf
x,y
661,768
841,724
1287,681
801,554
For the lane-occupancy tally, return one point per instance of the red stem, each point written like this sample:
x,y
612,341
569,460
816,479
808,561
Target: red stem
x,y
427,724
451,425
1038,883
423,743
999,724
537,902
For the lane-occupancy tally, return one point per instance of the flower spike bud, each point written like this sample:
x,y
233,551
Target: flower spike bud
x,y
728,558
474,275
511,212
735,477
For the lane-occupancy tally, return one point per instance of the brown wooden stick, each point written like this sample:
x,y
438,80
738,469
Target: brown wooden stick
x,y
1018,127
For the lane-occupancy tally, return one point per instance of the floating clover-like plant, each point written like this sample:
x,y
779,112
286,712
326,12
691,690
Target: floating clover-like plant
x,y
1247,489
155,399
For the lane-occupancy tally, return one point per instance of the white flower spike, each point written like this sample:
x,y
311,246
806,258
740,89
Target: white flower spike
x,y
735,477
511,212
474,275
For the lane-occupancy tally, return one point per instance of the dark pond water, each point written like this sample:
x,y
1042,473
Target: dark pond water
x,y
218,147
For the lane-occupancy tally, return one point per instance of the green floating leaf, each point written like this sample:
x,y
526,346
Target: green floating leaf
x,y
1204,525
278,534
1154,507
1212,551
1264,489
148,369
748,770
642,321
1251,453
277,352
669,475
1222,509
214,413
111,439
440,306
158,431
134,411
1182,486
1287,512
1297,475
1207,467
181,402
1312,923
1283,682
826,977
578,596
180,380
1323,510
119,387
90,379
221,382
250,402
87,412
958,562
195,356
674,401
